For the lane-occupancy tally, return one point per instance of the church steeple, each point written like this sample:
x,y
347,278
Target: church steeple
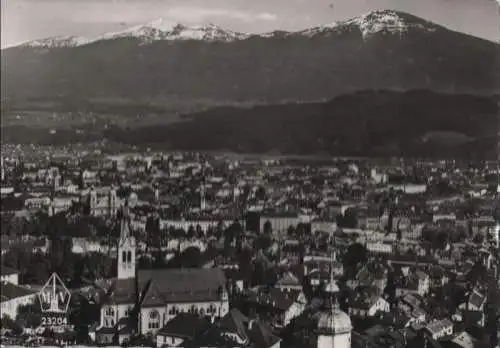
x,y
332,288
126,247
112,201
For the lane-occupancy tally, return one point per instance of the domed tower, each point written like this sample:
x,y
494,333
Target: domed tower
x,y
334,328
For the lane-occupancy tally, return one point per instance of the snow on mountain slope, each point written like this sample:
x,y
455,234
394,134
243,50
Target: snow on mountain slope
x,y
372,23
57,41
164,30
377,21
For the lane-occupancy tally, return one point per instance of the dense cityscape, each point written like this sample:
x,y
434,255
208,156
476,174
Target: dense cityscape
x,y
207,250
250,174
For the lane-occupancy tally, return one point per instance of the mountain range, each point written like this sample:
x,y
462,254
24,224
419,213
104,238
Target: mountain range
x,y
163,61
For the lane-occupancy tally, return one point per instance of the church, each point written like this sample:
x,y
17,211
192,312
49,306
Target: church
x,y
143,301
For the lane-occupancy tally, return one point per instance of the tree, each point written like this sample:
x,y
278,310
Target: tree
x,y
261,194
82,314
30,315
191,232
210,231
219,231
300,231
348,220
441,239
124,192
189,258
478,238
355,256
268,228
9,324
199,231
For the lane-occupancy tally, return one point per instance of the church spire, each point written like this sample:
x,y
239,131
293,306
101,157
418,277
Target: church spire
x,y
126,247
124,222
332,264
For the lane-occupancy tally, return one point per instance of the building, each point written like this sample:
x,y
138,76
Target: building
x,y
334,328
368,305
440,328
14,296
157,296
9,275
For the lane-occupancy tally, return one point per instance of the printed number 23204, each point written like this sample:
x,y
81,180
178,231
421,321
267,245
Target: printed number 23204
x,y
54,321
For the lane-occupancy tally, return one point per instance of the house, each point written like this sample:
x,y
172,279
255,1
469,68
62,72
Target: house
x,y
233,330
235,326
439,328
184,326
292,251
324,226
370,275
9,275
13,296
278,305
367,305
437,277
417,282
247,332
288,282
476,301
409,302
465,340
314,263
279,221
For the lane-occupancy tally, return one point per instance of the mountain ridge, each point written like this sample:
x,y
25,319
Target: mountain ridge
x,y
161,29
381,50
415,123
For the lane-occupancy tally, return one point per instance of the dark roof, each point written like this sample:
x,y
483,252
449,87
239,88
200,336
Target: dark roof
x,y
9,291
234,322
476,299
365,301
185,325
412,300
261,335
123,291
288,279
181,285
212,338
106,331
7,270
275,298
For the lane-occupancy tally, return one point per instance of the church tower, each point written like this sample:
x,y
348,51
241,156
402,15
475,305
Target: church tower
x,y
126,247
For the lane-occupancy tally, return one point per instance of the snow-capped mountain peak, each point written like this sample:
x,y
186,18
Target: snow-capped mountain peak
x,y
389,21
162,29
378,21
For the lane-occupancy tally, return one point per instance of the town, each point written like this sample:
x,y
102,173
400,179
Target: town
x,y
220,250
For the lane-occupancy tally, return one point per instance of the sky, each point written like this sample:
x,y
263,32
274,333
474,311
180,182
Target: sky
x,y
23,20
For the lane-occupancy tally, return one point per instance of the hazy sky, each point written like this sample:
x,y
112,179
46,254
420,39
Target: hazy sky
x,y
31,19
